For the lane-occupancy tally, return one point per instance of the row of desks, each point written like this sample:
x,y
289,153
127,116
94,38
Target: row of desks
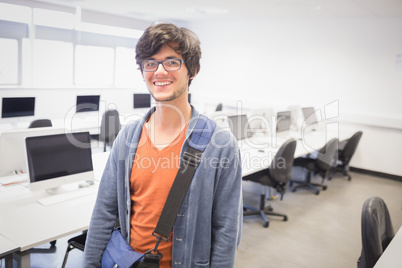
x,y
25,223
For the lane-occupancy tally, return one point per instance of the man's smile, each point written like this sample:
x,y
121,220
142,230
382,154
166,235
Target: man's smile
x,y
165,83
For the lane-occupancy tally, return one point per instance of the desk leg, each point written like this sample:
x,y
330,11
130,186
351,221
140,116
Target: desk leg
x,y
23,259
9,261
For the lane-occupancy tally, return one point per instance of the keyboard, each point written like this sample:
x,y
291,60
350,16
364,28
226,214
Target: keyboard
x,y
59,198
13,179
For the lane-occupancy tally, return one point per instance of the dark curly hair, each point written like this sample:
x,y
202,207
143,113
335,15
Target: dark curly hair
x,y
156,35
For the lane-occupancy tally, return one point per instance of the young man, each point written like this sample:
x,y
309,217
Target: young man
x,y
145,160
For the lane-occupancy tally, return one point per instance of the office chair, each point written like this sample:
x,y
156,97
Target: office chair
x,y
40,123
219,107
321,165
110,127
277,176
77,242
377,231
346,150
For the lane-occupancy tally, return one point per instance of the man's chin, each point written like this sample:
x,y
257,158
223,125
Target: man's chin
x,y
165,98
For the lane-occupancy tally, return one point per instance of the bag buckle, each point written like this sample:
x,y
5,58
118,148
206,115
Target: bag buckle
x,y
192,159
154,254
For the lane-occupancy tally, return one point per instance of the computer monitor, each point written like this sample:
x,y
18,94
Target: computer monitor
x,y
12,148
283,121
261,119
142,100
239,126
17,107
59,159
309,115
87,103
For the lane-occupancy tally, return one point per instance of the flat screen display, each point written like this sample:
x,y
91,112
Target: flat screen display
x,y
283,121
60,155
142,100
17,107
239,126
88,103
309,115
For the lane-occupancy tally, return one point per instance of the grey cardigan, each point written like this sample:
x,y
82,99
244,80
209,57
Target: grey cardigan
x,y
208,226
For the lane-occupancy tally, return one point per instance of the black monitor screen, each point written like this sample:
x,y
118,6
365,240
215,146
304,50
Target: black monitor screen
x,y
16,107
54,156
142,100
283,121
239,126
309,115
87,103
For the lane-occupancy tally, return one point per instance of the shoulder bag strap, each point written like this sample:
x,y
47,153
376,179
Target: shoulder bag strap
x,y
199,139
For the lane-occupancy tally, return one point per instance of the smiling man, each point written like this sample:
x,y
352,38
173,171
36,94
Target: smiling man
x,y
145,159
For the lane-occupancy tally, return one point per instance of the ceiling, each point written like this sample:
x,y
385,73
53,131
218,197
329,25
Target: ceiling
x,y
196,10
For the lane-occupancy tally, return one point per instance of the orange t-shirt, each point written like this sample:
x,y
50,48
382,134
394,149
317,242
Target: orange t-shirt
x,y
152,177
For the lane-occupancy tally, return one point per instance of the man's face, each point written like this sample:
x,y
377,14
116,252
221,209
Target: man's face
x,y
167,86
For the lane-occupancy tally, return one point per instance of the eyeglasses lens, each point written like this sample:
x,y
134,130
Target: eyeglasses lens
x,y
169,65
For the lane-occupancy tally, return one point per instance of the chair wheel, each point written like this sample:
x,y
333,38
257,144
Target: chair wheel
x,y
294,190
324,188
290,183
317,193
285,218
53,243
266,224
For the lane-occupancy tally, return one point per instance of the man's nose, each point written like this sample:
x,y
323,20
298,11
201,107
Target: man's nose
x,y
160,68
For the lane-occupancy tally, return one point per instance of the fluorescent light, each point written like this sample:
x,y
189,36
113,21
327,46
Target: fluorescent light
x,y
53,18
15,13
109,30
208,10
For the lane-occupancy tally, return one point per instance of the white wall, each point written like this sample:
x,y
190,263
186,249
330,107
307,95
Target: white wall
x,y
313,62
287,62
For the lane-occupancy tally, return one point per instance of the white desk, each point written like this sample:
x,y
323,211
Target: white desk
x,y
27,224
392,256
264,148
7,248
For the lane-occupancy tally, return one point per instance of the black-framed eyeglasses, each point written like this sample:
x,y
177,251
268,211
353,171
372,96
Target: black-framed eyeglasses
x,y
169,65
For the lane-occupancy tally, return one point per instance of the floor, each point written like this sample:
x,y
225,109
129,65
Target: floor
x,y
322,230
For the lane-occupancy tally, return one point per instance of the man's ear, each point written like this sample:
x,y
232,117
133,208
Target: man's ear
x,y
195,73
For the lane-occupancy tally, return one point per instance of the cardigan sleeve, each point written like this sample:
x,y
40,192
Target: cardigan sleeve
x,y
227,210
105,213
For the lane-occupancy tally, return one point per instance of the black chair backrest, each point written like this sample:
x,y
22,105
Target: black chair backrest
x,y
110,126
328,155
280,168
377,231
40,123
219,107
350,147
